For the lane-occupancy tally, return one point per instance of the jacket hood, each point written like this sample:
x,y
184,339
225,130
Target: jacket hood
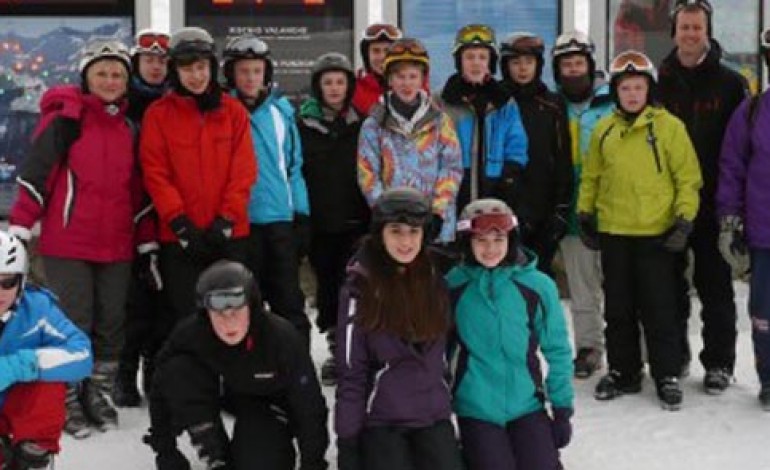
x,y
384,117
457,91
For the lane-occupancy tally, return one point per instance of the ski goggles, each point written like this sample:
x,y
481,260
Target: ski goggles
x,y
631,61
10,282
575,42
411,47
225,299
246,47
524,43
475,34
381,32
152,42
681,4
488,223
190,49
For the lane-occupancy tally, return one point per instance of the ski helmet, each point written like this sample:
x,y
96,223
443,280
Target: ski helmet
x,y
227,285
332,61
247,46
486,215
475,35
634,63
401,205
406,50
13,257
188,45
151,41
573,42
378,32
691,5
99,50
519,44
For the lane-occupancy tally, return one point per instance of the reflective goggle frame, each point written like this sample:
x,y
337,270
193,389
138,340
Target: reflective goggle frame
x,y
410,47
486,223
574,43
476,34
221,300
246,47
631,61
381,32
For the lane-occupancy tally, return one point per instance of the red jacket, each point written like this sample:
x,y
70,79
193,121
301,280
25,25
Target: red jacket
x,y
198,165
367,93
81,179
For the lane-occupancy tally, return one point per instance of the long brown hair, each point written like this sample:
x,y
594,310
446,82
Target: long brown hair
x,y
409,301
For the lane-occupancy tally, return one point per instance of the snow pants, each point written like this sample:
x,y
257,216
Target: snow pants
x,y
396,447
525,443
34,412
584,278
759,310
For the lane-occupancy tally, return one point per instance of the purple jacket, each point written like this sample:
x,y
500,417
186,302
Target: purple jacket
x,y
382,379
744,171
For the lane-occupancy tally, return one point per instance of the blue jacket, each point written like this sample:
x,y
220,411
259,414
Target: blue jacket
x,y
280,191
38,324
504,317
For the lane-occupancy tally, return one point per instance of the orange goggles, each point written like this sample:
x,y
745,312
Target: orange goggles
x,y
153,40
631,61
382,31
408,47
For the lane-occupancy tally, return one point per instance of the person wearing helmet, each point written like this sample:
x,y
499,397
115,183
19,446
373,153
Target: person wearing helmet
x,y
639,189
487,120
703,92
149,62
507,427
371,82
278,208
198,165
329,128
35,363
588,100
81,180
543,205
234,355
743,207
393,324
408,141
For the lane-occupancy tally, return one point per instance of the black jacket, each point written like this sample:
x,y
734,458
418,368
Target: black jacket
x,y
548,177
271,366
140,97
329,150
704,97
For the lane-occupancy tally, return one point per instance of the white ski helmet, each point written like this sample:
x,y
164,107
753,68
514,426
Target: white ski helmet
x,y
98,50
13,255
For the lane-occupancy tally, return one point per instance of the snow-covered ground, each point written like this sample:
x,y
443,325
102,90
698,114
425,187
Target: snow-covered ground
x,y
630,433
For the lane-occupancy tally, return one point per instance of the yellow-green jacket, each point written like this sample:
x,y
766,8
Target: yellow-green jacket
x,y
638,177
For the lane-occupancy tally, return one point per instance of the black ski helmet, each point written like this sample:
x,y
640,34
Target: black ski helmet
x,y
519,44
401,205
223,275
188,45
475,35
247,46
690,5
329,62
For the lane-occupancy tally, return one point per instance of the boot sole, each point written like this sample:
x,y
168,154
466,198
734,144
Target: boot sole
x,y
714,391
80,433
670,406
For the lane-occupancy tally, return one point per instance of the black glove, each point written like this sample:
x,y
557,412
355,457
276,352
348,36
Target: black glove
x,y
436,224
148,271
675,239
589,235
210,441
302,234
217,235
732,244
348,454
508,186
561,428
558,226
191,238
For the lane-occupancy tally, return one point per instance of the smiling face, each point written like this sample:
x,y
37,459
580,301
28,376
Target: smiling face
x,y
632,93
475,64
334,88
691,33
107,79
402,241
406,80
230,325
195,77
489,249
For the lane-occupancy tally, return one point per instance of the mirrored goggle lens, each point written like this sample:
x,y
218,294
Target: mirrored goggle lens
x,y
487,223
476,33
225,299
412,48
11,282
381,31
573,43
148,41
630,62
250,46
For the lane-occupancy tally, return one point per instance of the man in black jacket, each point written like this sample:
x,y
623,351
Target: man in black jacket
x,y
703,93
235,356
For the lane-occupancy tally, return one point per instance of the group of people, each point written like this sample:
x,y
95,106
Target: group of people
x,y
175,208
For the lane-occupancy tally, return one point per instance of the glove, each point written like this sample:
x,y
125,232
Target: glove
x,y
558,225
148,271
675,239
436,224
561,428
732,244
348,454
191,239
588,233
219,232
302,234
20,366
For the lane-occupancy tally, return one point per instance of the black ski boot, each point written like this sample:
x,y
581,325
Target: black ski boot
x,y
167,455
28,455
76,423
210,441
615,384
97,406
764,396
669,393
148,369
125,392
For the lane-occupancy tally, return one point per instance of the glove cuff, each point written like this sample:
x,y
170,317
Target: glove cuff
x,y
562,414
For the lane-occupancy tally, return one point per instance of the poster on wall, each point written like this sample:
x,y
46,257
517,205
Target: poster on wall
x,y
297,32
646,25
435,22
37,53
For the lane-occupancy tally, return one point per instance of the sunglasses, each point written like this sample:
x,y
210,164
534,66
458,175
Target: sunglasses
x,y
11,282
225,299
476,33
488,223
153,41
631,61
681,4
382,31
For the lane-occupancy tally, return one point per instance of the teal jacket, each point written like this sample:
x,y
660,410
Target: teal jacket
x,y
280,191
503,318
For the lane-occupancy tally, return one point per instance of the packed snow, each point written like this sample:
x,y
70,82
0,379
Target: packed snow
x,y
630,433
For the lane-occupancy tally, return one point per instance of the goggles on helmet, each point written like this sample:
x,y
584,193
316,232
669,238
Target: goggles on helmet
x,y
406,50
382,32
523,43
246,47
631,61
220,300
573,42
475,34
485,223
679,5
151,42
